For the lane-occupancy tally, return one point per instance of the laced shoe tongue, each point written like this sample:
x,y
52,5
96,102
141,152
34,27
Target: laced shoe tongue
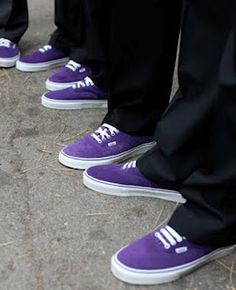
x,y
168,237
104,133
5,42
87,82
72,65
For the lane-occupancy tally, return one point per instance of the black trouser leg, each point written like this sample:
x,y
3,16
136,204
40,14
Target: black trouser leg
x,y
69,21
144,40
83,29
13,19
197,135
96,40
96,32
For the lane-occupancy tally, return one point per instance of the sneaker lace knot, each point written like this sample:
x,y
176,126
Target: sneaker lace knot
x,y
45,48
168,237
104,132
72,65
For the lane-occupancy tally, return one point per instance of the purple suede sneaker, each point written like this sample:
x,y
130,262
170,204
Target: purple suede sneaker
x,y
9,53
126,180
67,76
162,256
45,58
103,146
84,94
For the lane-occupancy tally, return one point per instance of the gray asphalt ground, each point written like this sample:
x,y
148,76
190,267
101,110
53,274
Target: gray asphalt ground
x,y
54,233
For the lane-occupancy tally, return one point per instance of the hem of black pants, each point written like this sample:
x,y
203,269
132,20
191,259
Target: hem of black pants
x,y
12,39
165,184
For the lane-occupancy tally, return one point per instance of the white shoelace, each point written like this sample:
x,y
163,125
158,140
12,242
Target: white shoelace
x,y
131,164
5,42
169,237
104,132
45,48
74,66
87,82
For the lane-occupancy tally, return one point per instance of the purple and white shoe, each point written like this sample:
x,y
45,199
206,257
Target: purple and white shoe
x,y
9,53
104,146
67,76
82,95
45,58
126,180
162,256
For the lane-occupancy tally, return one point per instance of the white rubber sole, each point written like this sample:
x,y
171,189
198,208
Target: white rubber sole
x,y
36,67
84,163
9,61
52,86
115,189
72,105
153,277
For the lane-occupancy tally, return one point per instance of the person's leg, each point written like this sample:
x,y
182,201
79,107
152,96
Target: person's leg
x,y
69,20
141,77
13,19
196,151
68,36
184,129
210,189
83,29
143,52
75,86
129,50
93,51
13,24
87,40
